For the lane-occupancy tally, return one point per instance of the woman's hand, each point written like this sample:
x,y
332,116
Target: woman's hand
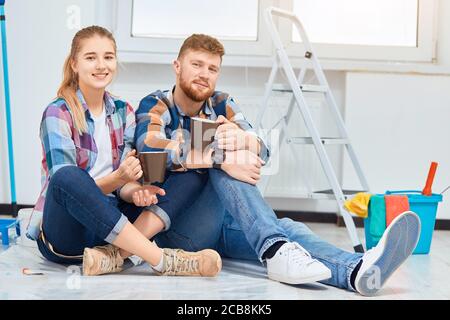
x,y
146,195
130,169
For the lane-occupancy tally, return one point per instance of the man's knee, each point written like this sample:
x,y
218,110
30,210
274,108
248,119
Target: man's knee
x,y
288,223
220,176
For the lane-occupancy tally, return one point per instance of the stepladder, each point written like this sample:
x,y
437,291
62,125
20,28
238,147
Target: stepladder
x,y
298,88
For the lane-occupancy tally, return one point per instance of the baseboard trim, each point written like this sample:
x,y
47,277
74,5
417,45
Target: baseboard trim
x,y
321,217
302,216
7,209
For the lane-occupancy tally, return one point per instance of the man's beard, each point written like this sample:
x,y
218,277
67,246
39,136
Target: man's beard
x,y
193,94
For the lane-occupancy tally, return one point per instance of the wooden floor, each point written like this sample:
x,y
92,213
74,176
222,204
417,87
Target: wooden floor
x,y
420,277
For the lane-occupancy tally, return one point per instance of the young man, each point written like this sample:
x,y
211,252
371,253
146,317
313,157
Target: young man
x,y
230,214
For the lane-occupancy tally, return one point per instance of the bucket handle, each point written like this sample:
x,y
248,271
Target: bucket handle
x,y
412,191
403,191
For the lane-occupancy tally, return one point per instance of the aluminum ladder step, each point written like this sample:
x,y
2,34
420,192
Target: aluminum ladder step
x,y
317,195
303,87
328,194
309,140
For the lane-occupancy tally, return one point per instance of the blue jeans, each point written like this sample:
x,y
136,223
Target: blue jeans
x,y
230,216
181,190
78,215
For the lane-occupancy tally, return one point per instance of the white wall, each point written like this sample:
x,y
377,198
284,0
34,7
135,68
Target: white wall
x,y
39,39
400,124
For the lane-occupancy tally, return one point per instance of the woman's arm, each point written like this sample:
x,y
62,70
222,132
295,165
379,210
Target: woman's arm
x,y
129,171
126,193
56,138
109,183
118,178
141,196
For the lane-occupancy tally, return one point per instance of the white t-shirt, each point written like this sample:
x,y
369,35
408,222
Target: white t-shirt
x,y
103,165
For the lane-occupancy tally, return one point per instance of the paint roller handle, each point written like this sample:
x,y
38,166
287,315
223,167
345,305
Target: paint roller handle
x,y
427,190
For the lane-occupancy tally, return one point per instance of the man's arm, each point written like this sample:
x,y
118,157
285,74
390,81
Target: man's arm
x,y
236,133
231,137
243,165
152,117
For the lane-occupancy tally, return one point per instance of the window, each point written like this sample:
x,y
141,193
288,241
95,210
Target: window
x,y
400,30
181,18
153,31
372,22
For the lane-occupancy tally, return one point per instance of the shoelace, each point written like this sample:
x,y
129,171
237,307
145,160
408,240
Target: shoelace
x,y
109,263
177,264
298,254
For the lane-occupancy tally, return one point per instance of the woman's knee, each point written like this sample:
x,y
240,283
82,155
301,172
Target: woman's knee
x,y
66,176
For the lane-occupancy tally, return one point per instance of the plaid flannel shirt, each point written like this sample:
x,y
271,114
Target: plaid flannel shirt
x,y
62,145
159,121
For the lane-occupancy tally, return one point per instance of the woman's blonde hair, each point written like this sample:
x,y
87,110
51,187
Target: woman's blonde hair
x,y
69,85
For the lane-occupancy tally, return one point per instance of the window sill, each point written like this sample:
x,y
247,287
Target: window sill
x,y
327,64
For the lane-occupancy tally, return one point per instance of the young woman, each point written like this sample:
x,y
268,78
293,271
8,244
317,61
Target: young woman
x,y
89,165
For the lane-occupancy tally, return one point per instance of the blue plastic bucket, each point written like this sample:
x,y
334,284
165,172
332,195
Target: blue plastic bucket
x,y
425,207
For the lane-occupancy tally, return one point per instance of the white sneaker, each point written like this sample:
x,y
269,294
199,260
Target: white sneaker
x,y
293,264
396,244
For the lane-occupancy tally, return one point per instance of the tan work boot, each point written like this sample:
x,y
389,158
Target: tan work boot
x,y
204,263
101,260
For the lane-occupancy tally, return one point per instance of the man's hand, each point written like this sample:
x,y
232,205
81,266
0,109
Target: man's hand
x,y
146,195
231,137
243,165
130,169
